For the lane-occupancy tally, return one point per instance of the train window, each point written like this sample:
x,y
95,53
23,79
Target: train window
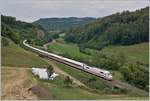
x,y
101,72
87,67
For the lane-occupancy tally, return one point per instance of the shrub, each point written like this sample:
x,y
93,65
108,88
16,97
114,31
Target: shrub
x,y
50,70
68,81
5,42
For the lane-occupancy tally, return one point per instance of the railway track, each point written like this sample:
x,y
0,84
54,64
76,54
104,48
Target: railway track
x,y
112,83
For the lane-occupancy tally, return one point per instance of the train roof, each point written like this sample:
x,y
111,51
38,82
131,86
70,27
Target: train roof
x,y
73,61
98,69
55,55
70,60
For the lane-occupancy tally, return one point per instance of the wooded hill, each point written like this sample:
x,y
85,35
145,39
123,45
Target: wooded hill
x,y
62,23
17,31
124,28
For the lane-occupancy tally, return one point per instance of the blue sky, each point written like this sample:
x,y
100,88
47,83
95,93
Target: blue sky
x,y
31,10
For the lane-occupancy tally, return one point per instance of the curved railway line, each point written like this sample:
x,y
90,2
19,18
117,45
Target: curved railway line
x,y
112,83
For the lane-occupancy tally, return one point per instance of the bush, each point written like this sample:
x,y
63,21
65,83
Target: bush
x,y
55,36
92,79
5,42
119,91
82,49
136,74
68,81
50,70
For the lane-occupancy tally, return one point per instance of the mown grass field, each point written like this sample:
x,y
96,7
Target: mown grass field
x,y
14,55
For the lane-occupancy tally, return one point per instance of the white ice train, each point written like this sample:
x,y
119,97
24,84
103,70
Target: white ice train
x,y
93,70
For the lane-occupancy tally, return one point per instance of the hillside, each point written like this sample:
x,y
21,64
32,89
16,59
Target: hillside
x,y
17,31
62,23
124,28
137,52
14,55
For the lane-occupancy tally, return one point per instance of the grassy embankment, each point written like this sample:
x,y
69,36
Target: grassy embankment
x,y
14,55
76,93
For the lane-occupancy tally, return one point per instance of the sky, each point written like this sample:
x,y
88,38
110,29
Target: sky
x,y
31,10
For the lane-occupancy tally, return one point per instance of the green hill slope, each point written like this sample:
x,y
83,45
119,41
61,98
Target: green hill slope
x,y
137,52
14,55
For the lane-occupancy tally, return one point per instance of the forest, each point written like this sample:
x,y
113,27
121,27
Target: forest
x,y
124,28
62,24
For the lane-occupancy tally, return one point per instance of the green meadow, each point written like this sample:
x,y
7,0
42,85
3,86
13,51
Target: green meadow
x,y
137,52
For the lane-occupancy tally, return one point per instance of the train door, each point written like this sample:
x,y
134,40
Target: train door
x,y
83,66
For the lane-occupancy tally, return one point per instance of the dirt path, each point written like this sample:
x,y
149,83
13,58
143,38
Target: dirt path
x,y
14,86
11,67
45,45
59,71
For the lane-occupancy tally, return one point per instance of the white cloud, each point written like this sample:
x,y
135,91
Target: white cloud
x,y
30,10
